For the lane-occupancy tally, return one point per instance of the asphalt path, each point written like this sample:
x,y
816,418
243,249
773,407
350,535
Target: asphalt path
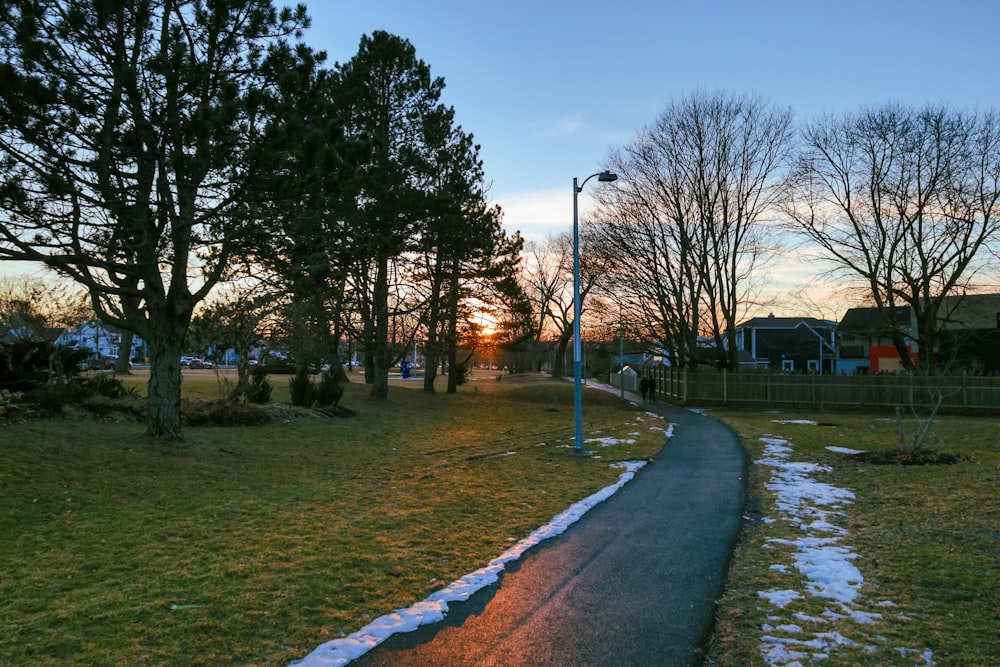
x,y
633,583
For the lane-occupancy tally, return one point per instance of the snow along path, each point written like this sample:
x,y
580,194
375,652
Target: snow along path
x,y
433,609
819,555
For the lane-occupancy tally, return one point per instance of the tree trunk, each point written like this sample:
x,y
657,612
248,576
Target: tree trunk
x,y
164,418
559,361
123,364
430,365
369,367
453,370
381,353
337,371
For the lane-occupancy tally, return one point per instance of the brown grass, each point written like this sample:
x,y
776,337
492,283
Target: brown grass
x,y
925,537
252,545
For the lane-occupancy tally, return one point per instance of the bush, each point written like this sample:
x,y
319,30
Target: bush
x,y
260,388
109,386
8,400
53,397
24,364
330,390
302,390
276,366
222,413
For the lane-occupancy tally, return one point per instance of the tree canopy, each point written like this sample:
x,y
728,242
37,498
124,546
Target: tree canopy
x,y
131,136
903,203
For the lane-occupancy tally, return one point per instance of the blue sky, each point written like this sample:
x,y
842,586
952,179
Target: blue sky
x,y
549,87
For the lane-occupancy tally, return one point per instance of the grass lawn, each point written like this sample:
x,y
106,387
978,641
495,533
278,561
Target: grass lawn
x,y
925,538
253,545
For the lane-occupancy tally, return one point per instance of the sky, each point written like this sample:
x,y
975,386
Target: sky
x,y
550,87
819,564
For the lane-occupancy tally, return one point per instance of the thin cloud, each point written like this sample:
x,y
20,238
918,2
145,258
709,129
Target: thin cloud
x,y
541,213
561,127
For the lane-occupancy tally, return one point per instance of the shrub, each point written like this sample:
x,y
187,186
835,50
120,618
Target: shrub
x,y
109,386
302,390
330,390
277,366
260,388
24,365
53,397
222,413
8,400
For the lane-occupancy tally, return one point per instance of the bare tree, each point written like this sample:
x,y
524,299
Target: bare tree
x,y
688,218
548,280
239,319
42,311
902,202
547,276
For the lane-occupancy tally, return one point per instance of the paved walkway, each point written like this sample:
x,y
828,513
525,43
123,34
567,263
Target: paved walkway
x,y
633,583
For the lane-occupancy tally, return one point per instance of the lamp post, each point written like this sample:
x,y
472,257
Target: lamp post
x,y
621,350
602,177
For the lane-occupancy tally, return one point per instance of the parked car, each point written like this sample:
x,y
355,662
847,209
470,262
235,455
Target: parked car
x,y
196,363
105,363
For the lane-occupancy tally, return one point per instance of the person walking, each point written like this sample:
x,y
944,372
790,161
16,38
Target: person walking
x,y
651,388
643,388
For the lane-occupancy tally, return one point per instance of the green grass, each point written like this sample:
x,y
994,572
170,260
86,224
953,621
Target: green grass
x,y
251,546
927,539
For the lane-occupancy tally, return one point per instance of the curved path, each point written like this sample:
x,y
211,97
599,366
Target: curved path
x,y
634,582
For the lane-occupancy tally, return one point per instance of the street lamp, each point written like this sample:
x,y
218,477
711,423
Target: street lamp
x,y
621,349
602,177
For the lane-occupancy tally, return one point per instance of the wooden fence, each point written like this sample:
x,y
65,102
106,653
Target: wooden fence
x,y
710,387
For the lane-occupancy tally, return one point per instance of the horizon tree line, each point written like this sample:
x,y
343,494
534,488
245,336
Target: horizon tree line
x,y
153,151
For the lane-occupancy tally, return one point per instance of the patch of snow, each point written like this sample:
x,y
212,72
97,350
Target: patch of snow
x,y
925,654
781,598
610,442
803,422
812,506
789,628
845,450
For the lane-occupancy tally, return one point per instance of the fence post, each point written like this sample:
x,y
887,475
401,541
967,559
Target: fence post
x,y
965,393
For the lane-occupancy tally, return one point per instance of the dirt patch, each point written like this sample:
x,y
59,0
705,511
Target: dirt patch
x,y
194,412
921,457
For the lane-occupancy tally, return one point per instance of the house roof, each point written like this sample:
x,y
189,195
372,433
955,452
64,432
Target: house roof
x,y
772,322
874,320
970,311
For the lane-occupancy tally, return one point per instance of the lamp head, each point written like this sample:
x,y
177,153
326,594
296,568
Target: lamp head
x,y
607,177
